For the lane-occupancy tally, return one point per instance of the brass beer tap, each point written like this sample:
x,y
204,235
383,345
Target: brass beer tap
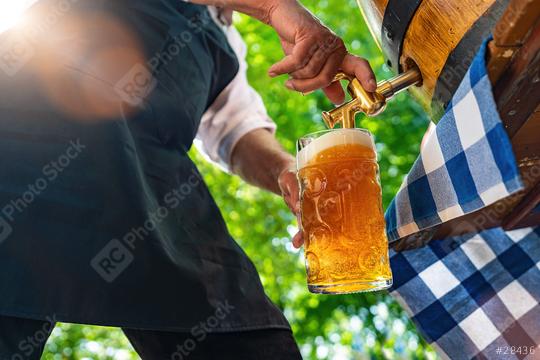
x,y
370,103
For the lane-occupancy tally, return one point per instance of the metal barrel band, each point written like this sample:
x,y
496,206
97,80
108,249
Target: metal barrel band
x,y
397,17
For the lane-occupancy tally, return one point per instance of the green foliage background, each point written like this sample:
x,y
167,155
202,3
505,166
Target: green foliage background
x,y
326,327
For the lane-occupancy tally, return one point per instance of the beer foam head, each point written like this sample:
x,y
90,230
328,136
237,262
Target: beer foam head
x,y
331,139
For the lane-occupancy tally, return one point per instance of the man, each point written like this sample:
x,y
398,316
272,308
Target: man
x,y
105,219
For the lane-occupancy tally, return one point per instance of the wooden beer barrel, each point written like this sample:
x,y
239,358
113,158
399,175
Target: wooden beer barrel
x,y
440,36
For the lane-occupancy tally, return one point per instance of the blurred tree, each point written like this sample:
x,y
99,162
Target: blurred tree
x,y
355,326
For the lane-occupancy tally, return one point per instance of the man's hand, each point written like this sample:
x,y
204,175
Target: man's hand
x,y
261,161
313,53
288,183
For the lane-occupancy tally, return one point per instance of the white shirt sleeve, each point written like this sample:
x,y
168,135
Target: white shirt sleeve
x,y
237,111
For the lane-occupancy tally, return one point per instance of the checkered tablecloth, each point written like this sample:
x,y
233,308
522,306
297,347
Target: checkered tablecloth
x,y
475,296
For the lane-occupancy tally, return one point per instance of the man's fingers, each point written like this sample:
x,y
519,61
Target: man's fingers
x,y
285,65
293,204
293,201
284,181
298,240
301,55
335,93
360,68
322,80
314,67
288,183
295,197
329,45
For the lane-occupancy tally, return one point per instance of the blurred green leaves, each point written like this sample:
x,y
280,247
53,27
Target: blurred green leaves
x,y
356,326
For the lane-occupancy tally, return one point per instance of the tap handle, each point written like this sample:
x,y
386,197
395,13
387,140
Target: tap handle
x,y
342,76
354,88
370,103
342,114
361,101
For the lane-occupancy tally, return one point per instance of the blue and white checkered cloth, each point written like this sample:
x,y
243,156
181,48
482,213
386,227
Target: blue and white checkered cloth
x,y
474,296
466,164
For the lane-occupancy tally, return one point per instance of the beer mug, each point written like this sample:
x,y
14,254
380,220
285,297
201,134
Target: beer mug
x,y
346,248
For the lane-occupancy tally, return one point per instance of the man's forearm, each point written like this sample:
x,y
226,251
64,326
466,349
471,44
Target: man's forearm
x,y
259,159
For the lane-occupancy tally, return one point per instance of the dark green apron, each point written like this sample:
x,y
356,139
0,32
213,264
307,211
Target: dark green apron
x,y
108,221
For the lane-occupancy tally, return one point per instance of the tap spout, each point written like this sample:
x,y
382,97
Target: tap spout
x,y
389,88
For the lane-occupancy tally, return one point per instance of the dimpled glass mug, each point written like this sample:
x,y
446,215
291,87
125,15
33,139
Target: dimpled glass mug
x,y
341,212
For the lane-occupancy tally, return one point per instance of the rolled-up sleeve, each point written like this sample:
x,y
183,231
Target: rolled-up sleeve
x,y
237,111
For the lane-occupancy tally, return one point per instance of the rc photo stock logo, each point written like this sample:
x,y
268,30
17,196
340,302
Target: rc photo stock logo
x,y
136,85
118,254
112,260
139,81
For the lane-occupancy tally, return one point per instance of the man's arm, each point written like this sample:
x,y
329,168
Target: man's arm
x,y
259,159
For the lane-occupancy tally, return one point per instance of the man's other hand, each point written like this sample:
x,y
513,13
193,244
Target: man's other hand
x,y
288,183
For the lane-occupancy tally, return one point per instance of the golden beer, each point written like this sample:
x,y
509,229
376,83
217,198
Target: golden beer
x,y
341,211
